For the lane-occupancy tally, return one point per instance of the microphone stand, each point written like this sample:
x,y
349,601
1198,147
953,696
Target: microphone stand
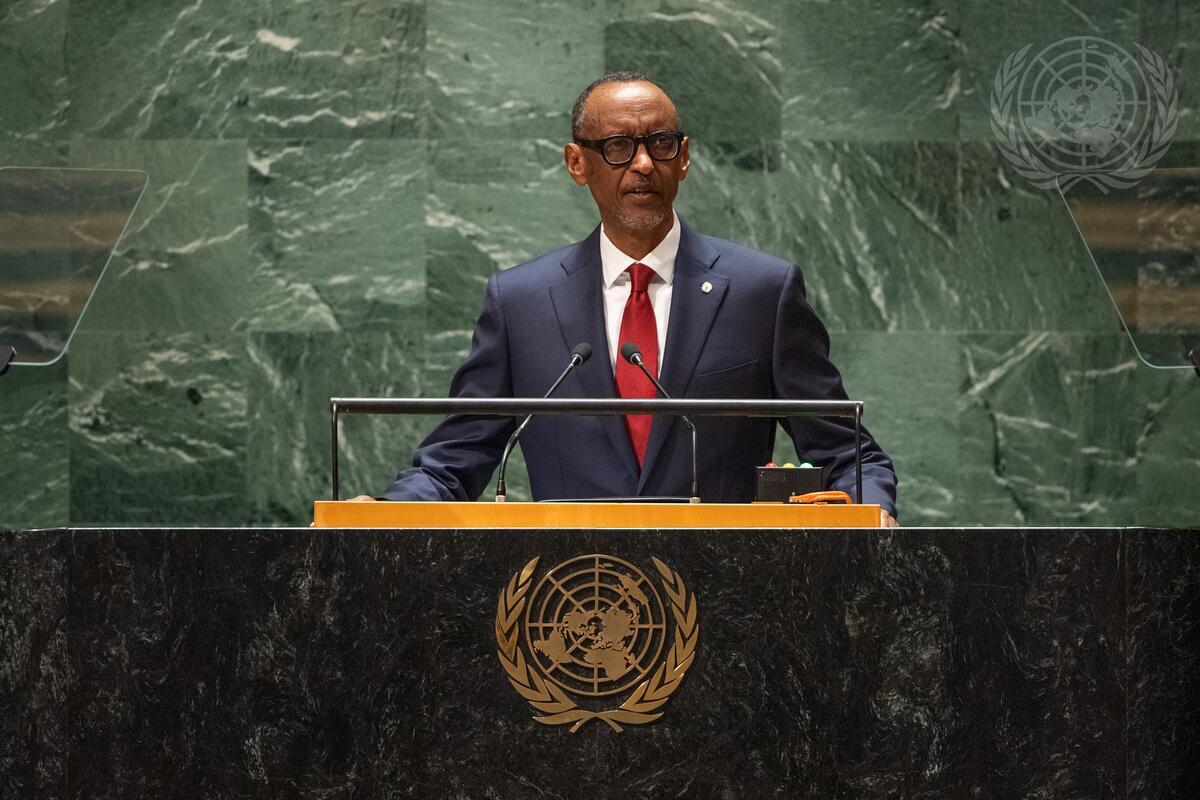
x,y
580,354
634,356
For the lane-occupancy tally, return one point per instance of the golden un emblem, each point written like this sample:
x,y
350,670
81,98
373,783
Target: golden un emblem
x,y
593,628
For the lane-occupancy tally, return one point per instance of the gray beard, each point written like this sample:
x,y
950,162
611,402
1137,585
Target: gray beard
x,y
642,223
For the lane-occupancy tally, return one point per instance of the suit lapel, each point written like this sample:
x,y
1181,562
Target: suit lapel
x,y
579,306
692,314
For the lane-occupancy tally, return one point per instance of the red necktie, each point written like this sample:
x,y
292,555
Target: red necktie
x,y
637,326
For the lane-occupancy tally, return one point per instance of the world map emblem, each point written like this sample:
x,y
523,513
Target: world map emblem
x,y
596,638
1084,109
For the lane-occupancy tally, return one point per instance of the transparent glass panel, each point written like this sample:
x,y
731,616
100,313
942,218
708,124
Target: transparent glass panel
x,y
1145,242
58,230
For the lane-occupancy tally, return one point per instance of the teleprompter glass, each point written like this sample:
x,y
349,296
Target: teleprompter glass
x,y
58,230
1145,242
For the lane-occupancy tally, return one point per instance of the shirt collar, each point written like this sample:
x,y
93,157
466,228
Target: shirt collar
x,y
661,259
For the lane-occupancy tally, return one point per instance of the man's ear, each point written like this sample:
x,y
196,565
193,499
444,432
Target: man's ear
x,y
577,166
685,158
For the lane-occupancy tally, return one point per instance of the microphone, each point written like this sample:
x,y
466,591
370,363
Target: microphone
x,y
631,353
580,354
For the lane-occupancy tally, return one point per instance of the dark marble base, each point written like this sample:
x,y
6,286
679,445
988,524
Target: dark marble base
x,y
299,663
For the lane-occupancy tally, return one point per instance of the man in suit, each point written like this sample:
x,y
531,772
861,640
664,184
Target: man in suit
x,y
713,319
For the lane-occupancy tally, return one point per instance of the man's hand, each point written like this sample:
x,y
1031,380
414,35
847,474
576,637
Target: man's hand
x,y
362,498
886,520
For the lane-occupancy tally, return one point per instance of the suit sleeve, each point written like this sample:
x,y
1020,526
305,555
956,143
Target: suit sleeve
x,y
802,371
457,460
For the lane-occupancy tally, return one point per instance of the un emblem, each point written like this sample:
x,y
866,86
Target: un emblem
x,y
591,628
1084,109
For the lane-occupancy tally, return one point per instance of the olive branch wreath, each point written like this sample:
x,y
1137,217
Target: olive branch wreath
x,y
557,708
1032,166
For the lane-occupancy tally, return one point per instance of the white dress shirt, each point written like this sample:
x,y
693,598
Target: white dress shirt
x,y
617,287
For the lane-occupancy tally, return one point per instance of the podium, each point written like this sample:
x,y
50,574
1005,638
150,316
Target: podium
x,y
346,662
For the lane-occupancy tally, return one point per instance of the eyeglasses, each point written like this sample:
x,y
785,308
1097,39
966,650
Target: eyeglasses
x,y
620,149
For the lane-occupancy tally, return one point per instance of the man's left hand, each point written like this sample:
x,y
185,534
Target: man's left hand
x,y
886,520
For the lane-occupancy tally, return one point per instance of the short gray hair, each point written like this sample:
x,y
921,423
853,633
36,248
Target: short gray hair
x,y
612,77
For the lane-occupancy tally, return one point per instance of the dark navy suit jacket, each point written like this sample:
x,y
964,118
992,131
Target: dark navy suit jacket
x,y
753,335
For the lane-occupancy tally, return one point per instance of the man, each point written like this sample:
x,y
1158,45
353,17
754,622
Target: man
x,y
712,318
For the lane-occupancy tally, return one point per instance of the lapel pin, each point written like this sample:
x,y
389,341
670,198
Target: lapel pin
x,y
706,287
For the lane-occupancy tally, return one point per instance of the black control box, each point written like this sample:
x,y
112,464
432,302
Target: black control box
x,y
777,484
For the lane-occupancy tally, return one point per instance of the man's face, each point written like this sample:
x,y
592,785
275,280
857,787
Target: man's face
x,y
634,199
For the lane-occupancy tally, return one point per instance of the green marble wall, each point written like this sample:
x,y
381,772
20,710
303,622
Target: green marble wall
x,y
332,183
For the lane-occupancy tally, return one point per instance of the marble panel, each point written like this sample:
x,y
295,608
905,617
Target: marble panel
x,y
159,69
33,94
350,69
158,429
34,677
468,696
835,668
910,384
292,377
510,70
1162,662
1022,264
1051,425
990,33
34,475
875,664
1038,687
457,276
873,226
870,70
1168,446
337,234
491,206
734,190
512,200
308,655
1173,31
33,153
458,272
720,62
809,681
182,264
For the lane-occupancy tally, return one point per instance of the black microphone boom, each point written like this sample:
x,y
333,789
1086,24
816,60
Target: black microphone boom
x,y
579,355
631,353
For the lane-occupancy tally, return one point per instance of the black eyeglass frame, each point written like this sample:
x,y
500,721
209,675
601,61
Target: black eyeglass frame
x,y
638,141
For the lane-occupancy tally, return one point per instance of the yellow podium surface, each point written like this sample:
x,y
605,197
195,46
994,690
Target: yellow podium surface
x,y
346,514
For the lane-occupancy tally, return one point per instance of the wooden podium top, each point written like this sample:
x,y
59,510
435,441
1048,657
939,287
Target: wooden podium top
x,y
346,514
